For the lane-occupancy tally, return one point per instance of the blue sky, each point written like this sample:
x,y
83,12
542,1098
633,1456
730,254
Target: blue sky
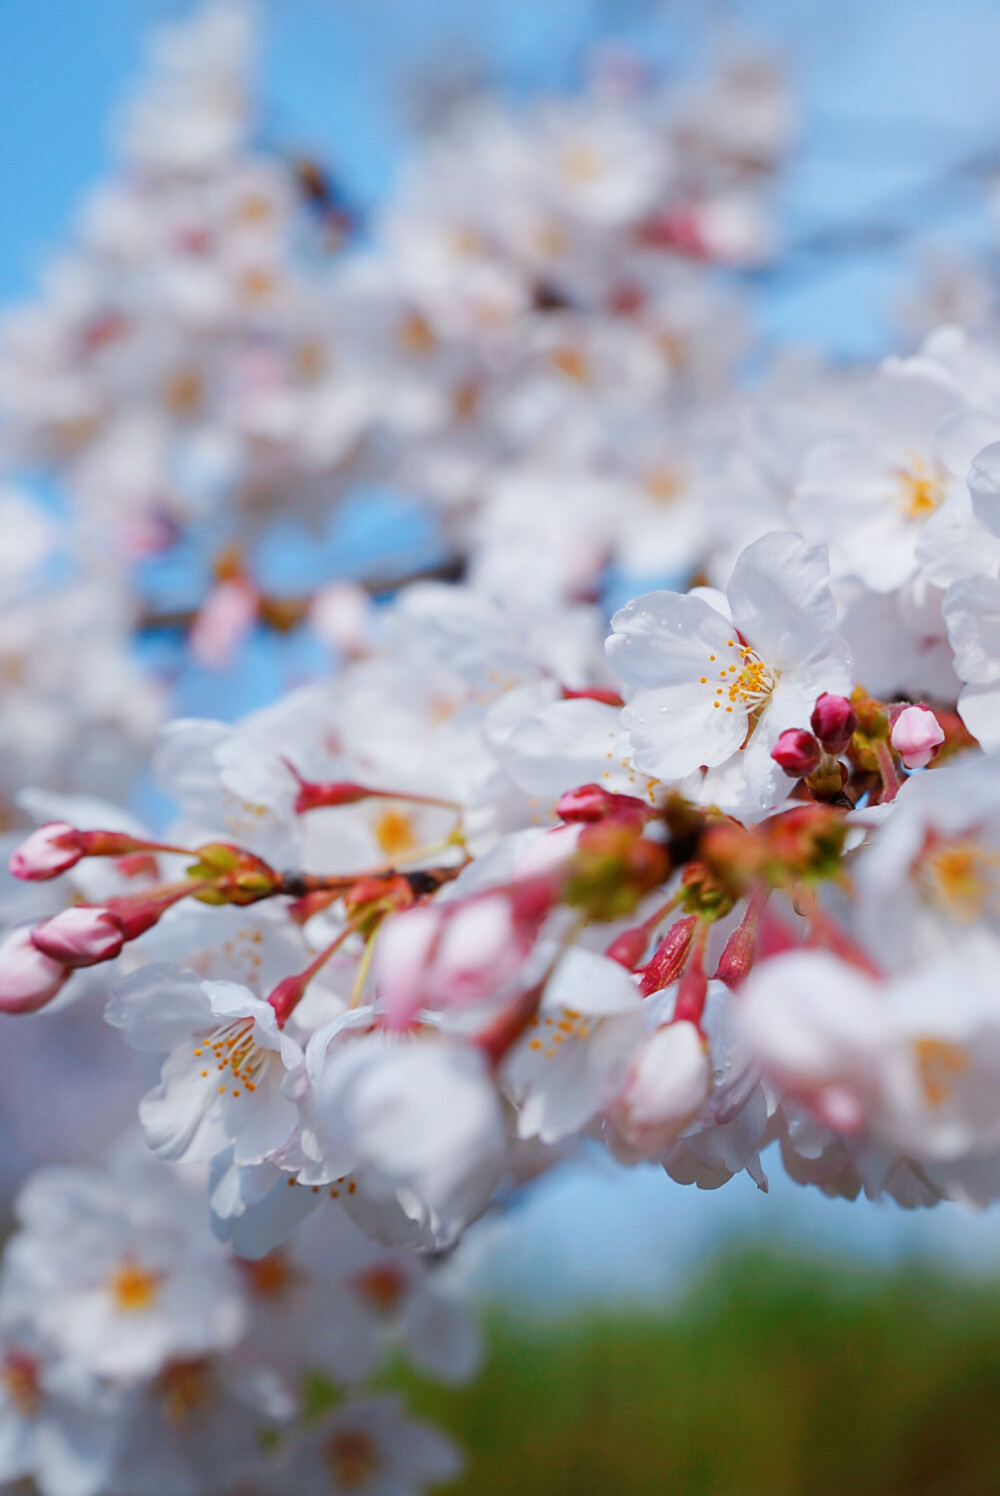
x,y
893,90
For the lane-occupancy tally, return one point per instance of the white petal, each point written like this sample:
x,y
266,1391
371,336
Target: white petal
x,y
781,598
665,639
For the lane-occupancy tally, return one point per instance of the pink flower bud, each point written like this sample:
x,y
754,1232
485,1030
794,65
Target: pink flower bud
x,y
591,803
28,979
447,956
797,752
47,852
81,936
916,736
667,1084
834,721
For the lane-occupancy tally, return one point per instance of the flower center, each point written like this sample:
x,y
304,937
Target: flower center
x,y
581,163
959,877
19,1379
383,1286
921,488
185,1387
134,1288
232,1047
939,1064
572,362
415,335
554,1031
184,392
268,1277
258,284
353,1458
664,485
739,680
255,208
394,832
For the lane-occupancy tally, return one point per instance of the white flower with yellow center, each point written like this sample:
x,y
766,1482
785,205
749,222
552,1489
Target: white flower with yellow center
x,y
119,1271
226,1059
912,1063
715,678
887,490
928,881
574,1057
368,1447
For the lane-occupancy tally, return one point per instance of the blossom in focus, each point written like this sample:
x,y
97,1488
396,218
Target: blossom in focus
x,y
711,679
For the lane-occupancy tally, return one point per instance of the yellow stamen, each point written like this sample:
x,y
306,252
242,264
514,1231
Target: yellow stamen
x,y
133,1288
939,1064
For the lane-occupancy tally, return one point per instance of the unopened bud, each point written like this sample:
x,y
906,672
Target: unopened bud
x,y
81,936
28,978
668,1083
828,781
797,752
834,721
55,848
47,852
592,803
916,736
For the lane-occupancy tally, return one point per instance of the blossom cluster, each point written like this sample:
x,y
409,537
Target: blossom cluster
x,y
715,874
137,1354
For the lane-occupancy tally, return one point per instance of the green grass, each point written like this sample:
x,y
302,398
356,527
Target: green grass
x,y
774,1377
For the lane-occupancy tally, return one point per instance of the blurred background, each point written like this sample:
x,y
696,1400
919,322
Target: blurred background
x,y
645,1337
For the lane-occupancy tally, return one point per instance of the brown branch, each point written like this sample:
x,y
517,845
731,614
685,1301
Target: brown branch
x,y
283,614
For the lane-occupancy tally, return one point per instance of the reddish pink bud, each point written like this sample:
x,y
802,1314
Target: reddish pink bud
x,y
629,947
834,721
591,803
55,848
916,736
446,956
668,1081
797,752
47,852
81,936
28,978
667,961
